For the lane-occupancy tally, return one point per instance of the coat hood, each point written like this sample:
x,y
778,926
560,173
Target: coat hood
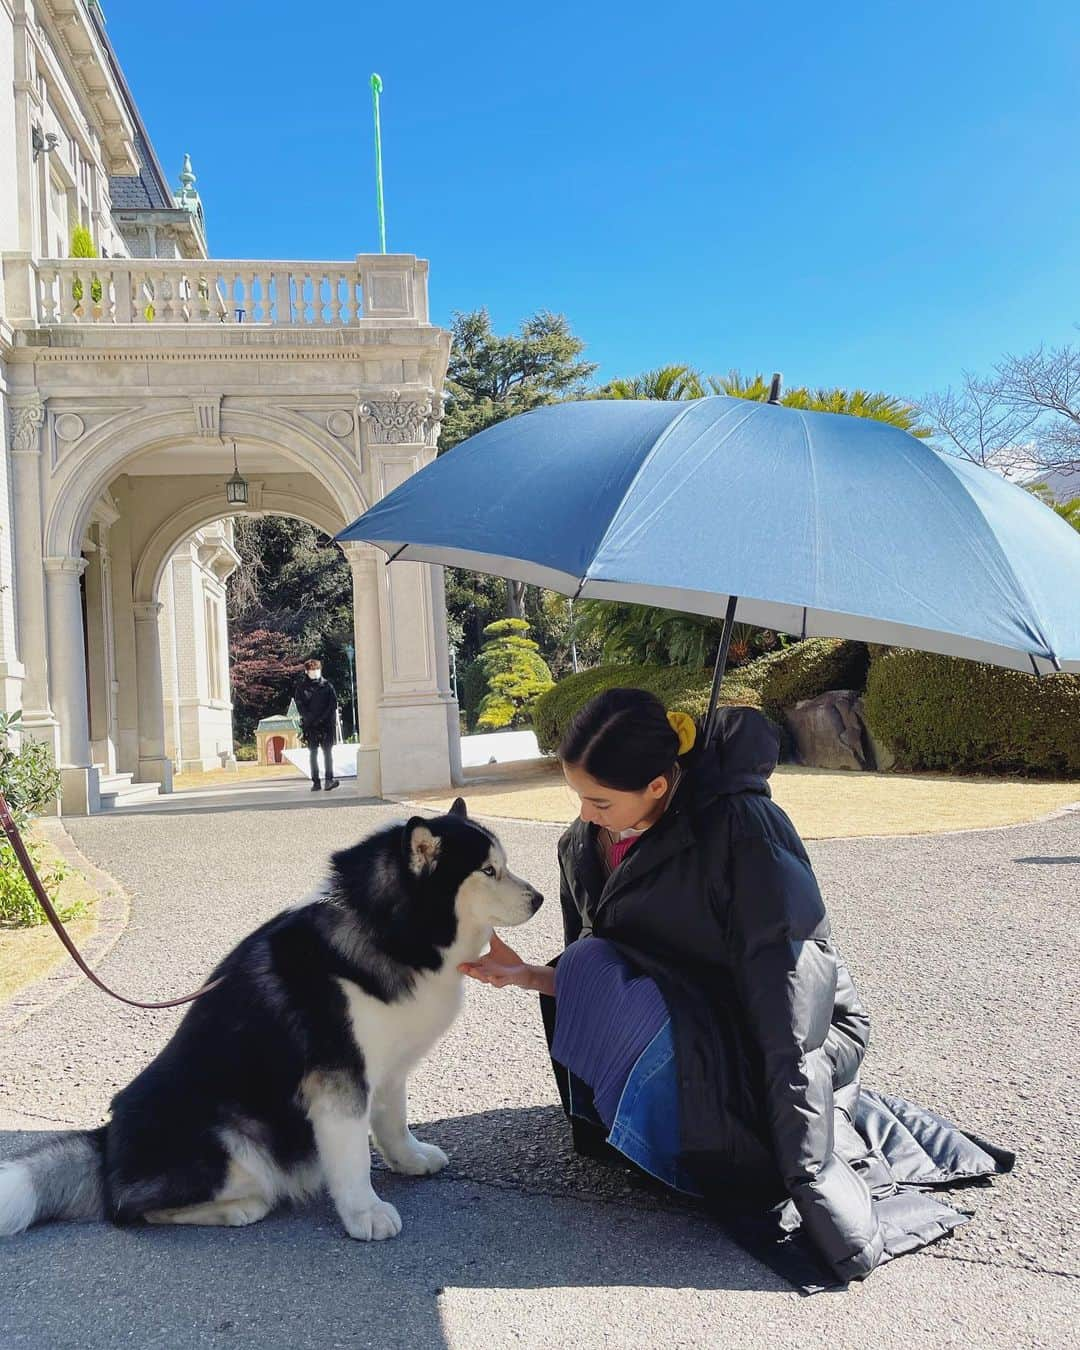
x,y
744,751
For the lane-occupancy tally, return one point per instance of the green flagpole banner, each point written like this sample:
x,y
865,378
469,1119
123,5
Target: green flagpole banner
x,y
376,90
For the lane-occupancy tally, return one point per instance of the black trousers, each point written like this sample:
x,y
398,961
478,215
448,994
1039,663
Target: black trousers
x,y
325,743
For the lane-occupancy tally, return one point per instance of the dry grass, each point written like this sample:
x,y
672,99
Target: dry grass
x,y
27,954
243,774
823,803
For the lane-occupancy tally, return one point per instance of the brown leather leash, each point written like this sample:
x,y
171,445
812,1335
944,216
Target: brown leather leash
x,y
15,839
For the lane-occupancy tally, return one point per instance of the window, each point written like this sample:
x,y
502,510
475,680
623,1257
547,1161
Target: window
x,y
215,684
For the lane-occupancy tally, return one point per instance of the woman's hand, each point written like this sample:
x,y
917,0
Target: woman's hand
x,y
502,966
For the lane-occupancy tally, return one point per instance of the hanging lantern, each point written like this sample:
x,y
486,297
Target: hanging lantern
x,y
236,486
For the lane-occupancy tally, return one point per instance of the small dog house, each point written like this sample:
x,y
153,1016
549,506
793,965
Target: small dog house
x,y
275,735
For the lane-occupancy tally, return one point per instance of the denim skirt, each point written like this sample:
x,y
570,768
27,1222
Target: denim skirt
x,y
613,1035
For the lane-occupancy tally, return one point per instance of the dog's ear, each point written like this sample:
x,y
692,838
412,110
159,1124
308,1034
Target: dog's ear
x,y
459,809
421,847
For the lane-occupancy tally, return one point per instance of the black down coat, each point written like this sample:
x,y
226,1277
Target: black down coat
x,y
316,702
718,903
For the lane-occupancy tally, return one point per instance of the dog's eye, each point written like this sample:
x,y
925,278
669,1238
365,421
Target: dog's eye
x,y
488,871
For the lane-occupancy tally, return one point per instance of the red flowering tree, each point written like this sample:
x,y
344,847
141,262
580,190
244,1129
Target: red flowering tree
x,y
265,665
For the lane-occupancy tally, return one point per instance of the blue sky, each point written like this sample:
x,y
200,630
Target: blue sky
x,y
859,194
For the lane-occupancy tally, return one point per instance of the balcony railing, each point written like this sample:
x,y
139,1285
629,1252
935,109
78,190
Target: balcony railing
x,y
142,292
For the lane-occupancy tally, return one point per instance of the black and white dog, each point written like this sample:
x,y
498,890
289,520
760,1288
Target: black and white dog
x,y
273,1080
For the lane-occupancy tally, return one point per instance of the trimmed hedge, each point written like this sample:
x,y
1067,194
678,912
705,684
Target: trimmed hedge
x,y
771,682
938,712
811,668
678,688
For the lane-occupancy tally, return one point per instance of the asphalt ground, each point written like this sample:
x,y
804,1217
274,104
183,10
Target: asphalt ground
x,y
963,948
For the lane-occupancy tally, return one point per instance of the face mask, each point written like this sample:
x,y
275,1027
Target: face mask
x,y
314,674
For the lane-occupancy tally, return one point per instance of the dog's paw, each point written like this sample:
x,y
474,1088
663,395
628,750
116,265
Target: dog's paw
x,y
239,1213
419,1160
378,1221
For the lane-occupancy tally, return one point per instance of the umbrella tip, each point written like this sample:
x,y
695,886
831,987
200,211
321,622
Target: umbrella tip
x,y
775,387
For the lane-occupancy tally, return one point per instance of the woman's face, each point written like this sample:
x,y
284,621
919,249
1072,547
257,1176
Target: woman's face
x,y
612,809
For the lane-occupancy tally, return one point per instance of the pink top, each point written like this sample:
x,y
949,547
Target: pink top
x,y
619,850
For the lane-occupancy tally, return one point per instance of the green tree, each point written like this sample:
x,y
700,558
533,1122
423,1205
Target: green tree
x,y
294,585
878,407
492,377
516,675
665,383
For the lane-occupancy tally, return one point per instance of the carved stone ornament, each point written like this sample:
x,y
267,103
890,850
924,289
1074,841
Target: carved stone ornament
x,y
69,426
339,422
207,416
27,416
402,421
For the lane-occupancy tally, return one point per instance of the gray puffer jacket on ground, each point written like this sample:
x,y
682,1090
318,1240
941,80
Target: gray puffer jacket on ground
x,y
718,903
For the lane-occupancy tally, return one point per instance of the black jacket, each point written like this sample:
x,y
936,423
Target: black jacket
x,y
316,702
719,904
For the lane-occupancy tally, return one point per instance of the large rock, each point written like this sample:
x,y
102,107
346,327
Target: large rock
x,y
829,732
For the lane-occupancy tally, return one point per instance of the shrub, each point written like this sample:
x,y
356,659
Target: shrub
x,y
82,246
516,675
29,781
810,668
246,752
938,712
18,903
679,689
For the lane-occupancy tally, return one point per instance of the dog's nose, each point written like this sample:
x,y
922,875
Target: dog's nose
x,y
536,900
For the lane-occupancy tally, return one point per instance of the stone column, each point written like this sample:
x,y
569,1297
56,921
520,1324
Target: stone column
x,y
100,647
418,717
365,562
11,668
26,414
126,701
67,682
154,764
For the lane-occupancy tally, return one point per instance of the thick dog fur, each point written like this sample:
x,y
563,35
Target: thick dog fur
x,y
272,1082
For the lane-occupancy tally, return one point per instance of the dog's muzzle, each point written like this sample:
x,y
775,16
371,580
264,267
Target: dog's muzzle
x,y
535,899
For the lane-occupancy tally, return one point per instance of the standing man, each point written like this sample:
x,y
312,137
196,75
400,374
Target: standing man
x,y
316,702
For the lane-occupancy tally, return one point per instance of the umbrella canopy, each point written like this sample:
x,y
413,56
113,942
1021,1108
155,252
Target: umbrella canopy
x,y
815,524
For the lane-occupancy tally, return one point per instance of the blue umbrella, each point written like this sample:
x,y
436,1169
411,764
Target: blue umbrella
x,y
814,524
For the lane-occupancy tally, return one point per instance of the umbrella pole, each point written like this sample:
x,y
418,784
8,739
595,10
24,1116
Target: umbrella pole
x,y
721,666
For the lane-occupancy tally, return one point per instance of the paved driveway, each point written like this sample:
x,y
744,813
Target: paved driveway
x,y
963,947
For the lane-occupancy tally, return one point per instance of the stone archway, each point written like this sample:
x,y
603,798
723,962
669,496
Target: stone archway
x,y
160,481
153,648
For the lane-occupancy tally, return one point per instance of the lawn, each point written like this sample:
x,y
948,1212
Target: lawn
x,y
823,803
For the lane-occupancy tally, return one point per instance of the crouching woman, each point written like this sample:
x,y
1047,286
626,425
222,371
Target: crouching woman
x,y
700,1021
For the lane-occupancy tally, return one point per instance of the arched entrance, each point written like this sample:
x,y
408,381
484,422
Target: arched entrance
x,y
276,748
118,511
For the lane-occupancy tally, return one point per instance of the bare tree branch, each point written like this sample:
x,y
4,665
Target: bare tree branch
x,y
1047,383
979,424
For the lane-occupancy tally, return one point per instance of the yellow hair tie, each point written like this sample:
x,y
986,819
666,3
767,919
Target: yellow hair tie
x,y
682,724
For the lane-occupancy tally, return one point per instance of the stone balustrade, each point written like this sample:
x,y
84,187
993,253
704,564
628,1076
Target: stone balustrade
x,y
142,292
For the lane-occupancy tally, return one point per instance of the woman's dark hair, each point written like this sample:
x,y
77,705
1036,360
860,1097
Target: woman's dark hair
x,y
622,738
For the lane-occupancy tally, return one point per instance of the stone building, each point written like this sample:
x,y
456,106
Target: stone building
x,y
127,381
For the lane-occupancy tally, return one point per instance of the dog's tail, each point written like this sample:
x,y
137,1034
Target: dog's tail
x,y
61,1179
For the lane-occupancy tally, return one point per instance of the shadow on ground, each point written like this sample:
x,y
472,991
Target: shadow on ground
x,y
516,1210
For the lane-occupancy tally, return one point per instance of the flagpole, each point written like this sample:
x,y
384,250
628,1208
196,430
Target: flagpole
x,y
376,90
